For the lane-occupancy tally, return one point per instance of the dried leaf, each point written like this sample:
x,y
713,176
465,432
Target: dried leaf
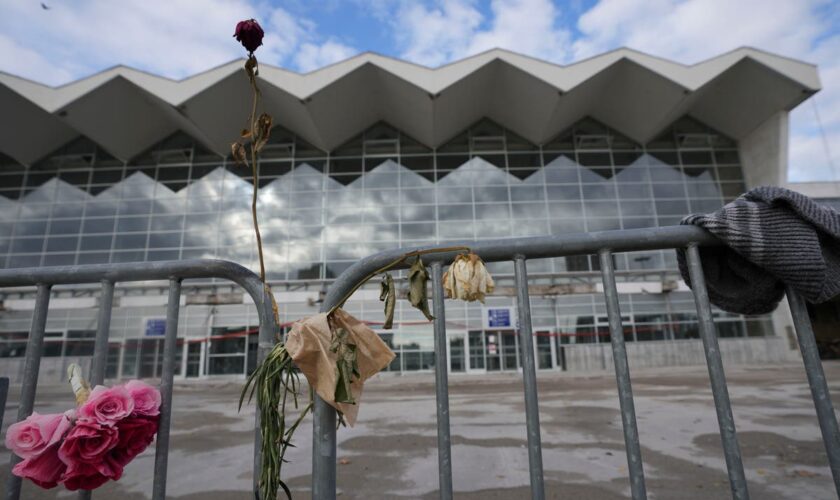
x,y
237,151
263,131
388,295
417,278
245,133
251,67
346,366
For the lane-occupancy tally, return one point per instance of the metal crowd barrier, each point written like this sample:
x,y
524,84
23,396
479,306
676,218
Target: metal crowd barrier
x,y
604,244
108,275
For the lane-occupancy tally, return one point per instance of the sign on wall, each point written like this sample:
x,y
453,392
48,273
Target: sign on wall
x,y
499,318
155,327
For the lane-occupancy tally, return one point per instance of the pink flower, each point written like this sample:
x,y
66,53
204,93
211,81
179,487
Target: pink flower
x,y
146,398
107,406
44,469
31,437
136,434
89,444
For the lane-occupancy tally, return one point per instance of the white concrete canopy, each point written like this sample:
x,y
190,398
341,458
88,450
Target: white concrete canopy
x,y
125,110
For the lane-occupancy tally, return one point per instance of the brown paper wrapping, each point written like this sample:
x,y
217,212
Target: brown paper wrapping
x,y
309,345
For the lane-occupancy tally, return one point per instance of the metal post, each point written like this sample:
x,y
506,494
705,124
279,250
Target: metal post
x,y
323,451
441,385
31,366
529,375
817,382
4,395
622,377
166,382
731,450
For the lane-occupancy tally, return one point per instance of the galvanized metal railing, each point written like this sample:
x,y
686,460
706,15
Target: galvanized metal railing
x,y
604,244
108,276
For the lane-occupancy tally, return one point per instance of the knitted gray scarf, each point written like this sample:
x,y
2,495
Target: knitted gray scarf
x,y
773,237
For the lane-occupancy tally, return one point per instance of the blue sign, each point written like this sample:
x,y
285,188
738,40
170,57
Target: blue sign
x,y
155,327
499,318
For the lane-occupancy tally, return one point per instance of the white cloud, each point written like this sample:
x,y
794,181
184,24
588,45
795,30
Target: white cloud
x,y
310,56
174,38
453,29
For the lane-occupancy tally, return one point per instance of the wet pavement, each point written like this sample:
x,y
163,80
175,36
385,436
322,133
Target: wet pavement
x,y
392,451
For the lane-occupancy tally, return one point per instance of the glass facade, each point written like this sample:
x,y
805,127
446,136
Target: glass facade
x,y
320,212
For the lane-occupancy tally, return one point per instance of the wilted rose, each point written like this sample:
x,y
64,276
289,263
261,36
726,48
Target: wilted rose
x,y
467,279
249,34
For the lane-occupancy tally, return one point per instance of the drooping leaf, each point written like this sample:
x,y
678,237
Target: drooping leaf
x,y
388,294
263,131
347,365
237,151
417,278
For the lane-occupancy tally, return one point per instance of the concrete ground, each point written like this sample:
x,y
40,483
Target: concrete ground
x,y
391,453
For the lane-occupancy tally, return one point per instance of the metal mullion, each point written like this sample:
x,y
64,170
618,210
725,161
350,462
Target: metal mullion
x,y
817,383
31,367
162,448
622,377
529,376
441,385
723,407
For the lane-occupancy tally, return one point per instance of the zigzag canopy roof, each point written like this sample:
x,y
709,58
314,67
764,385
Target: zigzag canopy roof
x,y
126,111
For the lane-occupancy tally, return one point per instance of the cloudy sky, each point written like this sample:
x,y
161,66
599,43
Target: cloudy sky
x,y
71,39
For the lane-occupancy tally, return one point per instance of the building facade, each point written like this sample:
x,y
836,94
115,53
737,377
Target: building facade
x,y
629,142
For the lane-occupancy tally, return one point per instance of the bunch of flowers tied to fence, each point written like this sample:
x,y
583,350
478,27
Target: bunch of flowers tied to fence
x,y
86,447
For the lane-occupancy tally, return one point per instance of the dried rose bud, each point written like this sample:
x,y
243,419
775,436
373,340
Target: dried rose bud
x,y
249,34
237,151
467,279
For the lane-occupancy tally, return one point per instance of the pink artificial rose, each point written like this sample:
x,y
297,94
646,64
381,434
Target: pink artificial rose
x,y
89,444
107,406
136,434
31,437
146,398
44,469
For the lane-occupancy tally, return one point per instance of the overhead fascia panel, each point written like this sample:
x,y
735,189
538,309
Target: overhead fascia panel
x,y
126,110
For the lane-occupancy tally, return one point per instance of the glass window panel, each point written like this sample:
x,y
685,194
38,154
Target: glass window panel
x,y
455,230
418,213
98,225
132,224
62,244
636,208
94,258
455,212
598,191
529,210
565,209
601,209
65,226
454,195
487,194
27,245
163,240
419,231
527,193
562,193
130,241
672,207
31,228
96,242
669,190
59,259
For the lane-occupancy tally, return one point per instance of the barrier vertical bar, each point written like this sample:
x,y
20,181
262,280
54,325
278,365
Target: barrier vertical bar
x,y
817,382
268,329
529,375
100,346
323,451
622,377
4,395
731,450
166,382
31,367
441,385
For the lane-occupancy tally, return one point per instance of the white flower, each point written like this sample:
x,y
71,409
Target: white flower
x,y
467,279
